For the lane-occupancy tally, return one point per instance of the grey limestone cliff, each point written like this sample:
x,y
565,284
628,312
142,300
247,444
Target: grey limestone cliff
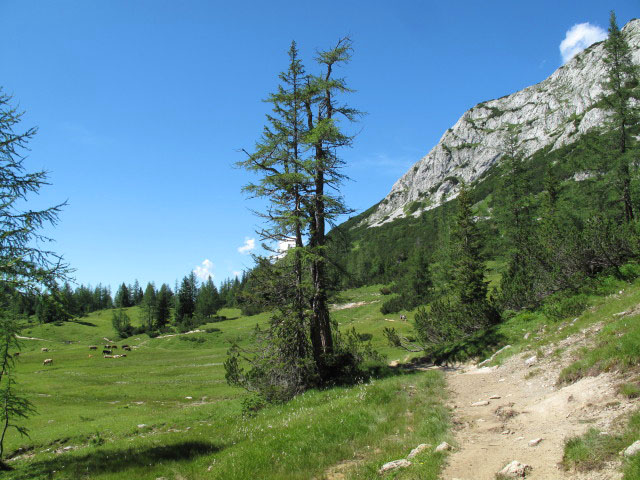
x,y
552,113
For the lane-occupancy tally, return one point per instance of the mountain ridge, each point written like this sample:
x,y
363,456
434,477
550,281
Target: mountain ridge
x,y
553,112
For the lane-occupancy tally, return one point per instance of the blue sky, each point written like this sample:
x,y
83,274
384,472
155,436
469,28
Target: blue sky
x,y
142,106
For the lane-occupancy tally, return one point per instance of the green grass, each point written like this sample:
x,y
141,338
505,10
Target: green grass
x,y
131,418
630,390
593,449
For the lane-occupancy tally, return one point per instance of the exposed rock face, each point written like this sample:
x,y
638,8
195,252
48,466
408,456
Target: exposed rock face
x,y
551,113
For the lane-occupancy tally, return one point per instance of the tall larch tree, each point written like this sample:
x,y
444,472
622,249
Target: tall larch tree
x,y
325,136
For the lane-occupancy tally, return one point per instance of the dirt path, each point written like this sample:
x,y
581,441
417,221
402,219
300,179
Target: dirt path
x,y
529,406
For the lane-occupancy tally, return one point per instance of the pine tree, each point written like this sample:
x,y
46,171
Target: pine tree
x,y
136,293
468,267
620,84
208,300
163,307
186,300
516,218
468,270
123,297
25,267
149,306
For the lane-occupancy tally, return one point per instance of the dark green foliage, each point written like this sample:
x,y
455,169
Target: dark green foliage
x,y
123,297
121,323
14,405
163,307
208,301
149,306
50,308
393,305
468,280
186,302
136,293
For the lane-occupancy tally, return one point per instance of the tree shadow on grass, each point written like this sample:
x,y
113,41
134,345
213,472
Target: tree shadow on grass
x,y
113,460
86,324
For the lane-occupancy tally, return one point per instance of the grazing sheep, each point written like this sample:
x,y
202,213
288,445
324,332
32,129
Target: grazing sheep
x,y
126,347
17,354
93,347
48,361
107,356
106,352
90,356
44,349
403,317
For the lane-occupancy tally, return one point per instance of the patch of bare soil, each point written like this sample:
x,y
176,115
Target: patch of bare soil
x,y
345,306
524,404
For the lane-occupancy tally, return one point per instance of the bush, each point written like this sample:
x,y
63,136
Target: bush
x,y
121,323
565,307
393,305
385,291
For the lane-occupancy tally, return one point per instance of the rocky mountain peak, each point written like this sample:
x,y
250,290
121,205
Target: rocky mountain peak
x,y
552,113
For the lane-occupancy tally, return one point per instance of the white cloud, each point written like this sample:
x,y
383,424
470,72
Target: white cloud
x,y
579,37
237,273
203,271
249,245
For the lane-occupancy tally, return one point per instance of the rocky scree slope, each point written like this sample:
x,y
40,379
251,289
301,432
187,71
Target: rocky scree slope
x,y
551,113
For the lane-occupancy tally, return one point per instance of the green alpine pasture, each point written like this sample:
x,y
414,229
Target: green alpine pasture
x,y
166,410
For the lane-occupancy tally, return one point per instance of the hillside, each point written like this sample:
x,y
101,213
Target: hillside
x,y
166,411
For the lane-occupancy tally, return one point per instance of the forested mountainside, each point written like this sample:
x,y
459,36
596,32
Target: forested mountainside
x,y
564,134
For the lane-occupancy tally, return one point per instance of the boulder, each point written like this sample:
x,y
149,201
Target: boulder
x,y
515,470
443,447
418,450
393,465
632,449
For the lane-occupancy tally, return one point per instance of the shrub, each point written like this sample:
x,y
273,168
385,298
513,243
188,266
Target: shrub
x,y
565,307
121,323
393,305
385,291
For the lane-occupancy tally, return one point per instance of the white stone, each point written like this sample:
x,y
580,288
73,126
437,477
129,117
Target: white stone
x,y
418,450
494,397
531,361
534,442
515,470
632,449
444,446
189,398
480,404
393,465
142,425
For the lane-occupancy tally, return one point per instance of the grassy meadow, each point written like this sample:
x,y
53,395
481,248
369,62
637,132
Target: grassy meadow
x,y
166,411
